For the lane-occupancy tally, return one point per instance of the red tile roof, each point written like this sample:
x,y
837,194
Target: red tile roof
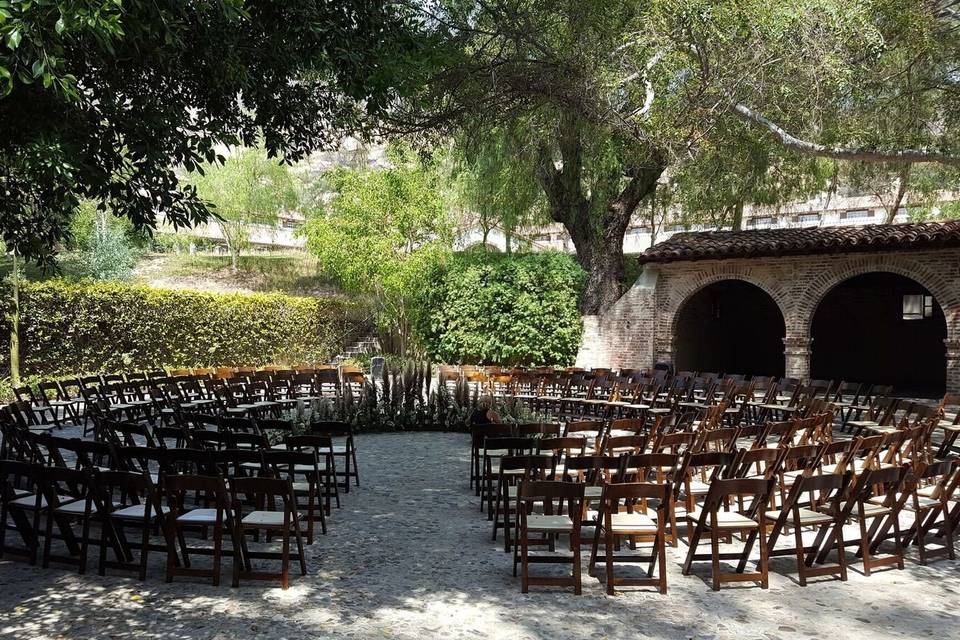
x,y
724,245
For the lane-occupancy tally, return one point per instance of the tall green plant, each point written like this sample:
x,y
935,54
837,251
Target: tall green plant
x,y
381,233
248,188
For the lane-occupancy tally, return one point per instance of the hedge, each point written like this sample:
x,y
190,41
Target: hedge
x,y
500,309
68,328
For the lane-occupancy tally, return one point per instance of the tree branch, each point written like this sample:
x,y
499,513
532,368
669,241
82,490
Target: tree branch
x,y
841,153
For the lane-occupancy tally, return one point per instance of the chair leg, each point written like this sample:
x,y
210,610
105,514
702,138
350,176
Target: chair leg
x,y
524,565
496,512
285,560
301,556
47,539
864,547
691,552
661,543
593,551
764,556
608,556
715,557
236,561
102,564
356,467
577,587
217,552
841,554
144,549
801,563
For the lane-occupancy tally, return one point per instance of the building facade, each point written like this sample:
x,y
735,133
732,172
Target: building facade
x,y
880,303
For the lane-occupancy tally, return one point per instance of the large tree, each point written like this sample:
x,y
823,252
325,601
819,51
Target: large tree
x,y
378,233
247,188
614,93
101,99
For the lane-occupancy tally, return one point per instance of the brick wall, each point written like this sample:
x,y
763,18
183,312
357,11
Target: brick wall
x,y
638,330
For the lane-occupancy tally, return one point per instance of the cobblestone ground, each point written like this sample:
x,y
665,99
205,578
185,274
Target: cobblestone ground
x,y
409,556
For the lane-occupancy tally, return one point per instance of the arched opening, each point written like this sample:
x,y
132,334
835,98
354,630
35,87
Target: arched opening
x,y
730,326
881,328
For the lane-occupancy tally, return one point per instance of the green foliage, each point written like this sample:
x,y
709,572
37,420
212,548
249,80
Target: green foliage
x,y
104,245
103,99
382,232
495,180
494,309
74,328
248,188
293,273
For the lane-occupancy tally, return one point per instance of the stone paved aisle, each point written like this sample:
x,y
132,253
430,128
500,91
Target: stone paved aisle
x,y
409,556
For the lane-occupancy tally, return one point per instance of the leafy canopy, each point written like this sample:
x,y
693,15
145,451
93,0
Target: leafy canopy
x,y
100,99
381,231
489,308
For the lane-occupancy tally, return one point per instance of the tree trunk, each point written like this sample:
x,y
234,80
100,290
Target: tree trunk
x,y
597,232
737,224
15,326
903,178
231,247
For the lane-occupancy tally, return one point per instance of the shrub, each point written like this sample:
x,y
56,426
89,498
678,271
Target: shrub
x,y
67,329
499,309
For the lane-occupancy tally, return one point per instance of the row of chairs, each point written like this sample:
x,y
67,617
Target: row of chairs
x,y
790,478
153,395
282,488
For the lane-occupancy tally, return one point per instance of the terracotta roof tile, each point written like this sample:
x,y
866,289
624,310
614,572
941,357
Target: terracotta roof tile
x,y
723,245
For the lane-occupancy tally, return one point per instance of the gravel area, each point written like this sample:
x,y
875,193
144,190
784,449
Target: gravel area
x,y
409,555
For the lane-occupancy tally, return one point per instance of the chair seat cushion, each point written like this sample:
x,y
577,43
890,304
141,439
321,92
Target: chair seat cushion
x,y
632,523
870,510
29,501
592,492
726,520
72,506
136,512
264,519
199,516
807,516
539,522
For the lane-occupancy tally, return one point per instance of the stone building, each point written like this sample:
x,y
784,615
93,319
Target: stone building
x,y
876,304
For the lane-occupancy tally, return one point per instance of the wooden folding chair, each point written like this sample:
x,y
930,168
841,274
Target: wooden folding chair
x,y
218,513
550,524
255,502
128,499
814,502
931,500
877,497
512,471
713,519
637,525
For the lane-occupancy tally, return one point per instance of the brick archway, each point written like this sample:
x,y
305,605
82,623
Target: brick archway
x,y
681,295
947,297
682,291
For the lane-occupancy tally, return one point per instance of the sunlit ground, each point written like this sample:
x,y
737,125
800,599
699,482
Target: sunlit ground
x,y
409,556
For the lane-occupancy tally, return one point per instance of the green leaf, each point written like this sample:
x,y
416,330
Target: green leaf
x,y
13,38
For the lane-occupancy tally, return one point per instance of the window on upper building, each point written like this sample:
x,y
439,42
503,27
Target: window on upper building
x,y
765,221
917,307
857,214
808,218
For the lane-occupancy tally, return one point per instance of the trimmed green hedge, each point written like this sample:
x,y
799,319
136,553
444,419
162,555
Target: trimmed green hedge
x,y
498,309
67,328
